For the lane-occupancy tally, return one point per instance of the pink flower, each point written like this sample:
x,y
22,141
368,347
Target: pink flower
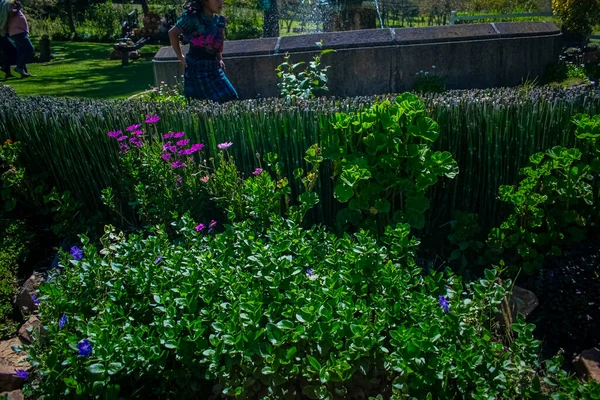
x,y
183,142
123,147
225,145
173,148
165,156
200,227
179,180
168,135
205,179
212,224
152,119
257,171
120,139
134,127
115,134
139,132
197,147
178,135
136,141
186,152
178,164
166,146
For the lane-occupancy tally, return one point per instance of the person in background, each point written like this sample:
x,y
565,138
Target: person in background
x,y
6,46
18,29
203,27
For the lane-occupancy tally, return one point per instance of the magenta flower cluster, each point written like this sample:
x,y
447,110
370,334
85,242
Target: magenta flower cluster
x,y
135,138
178,149
202,227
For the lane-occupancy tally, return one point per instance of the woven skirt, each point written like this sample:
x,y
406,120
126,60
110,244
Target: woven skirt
x,y
205,80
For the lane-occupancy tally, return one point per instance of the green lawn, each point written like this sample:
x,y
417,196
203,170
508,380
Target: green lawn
x,y
84,70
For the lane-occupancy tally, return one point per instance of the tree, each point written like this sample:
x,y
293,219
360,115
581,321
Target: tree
x,y
578,16
271,19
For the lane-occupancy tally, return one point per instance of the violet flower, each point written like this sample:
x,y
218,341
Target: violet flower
x,y
444,303
225,145
165,156
62,321
115,134
257,171
168,135
85,348
76,253
152,119
178,135
134,127
200,227
183,142
21,374
178,164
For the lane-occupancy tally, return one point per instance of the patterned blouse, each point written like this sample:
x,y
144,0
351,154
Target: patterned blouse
x,y
203,32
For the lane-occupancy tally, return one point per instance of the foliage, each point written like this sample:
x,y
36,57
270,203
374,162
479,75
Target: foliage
x,y
429,82
15,244
555,203
164,93
476,126
305,84
465,246
578,16
383,163
275,312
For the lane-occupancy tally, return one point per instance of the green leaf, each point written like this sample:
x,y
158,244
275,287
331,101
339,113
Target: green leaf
x,y
314,362
343,193
114,367
97,368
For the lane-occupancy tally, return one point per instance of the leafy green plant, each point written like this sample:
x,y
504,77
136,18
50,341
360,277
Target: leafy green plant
x,y
15,245
270,312
465,246
304,84
555,203
383,163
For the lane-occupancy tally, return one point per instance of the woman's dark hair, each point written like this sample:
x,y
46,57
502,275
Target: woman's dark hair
x,y
192,7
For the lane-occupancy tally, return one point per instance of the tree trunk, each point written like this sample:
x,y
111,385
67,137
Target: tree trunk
x,y
70,18
271,21
145,8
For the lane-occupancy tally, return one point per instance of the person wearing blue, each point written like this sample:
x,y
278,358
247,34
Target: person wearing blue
x,y
203,28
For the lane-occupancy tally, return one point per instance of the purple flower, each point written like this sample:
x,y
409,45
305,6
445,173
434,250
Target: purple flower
x,y
134,127
197,147
200,227
158,259
165,156
62,321
139,132
186,152
178,135
309,272
85,348
76,253
166,146
121,138
124,148
212,224
172,148
257,171
21,374
225,145
152,119
136,141
444,303
178,164
115,134
205,179
183,142
168,135
179,180
35,300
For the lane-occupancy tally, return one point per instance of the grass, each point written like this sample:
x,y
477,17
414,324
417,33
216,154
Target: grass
x,y
84,70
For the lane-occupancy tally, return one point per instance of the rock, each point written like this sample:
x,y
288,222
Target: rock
x,y
521,301
14,395
24,299
9,362
26,330
588,364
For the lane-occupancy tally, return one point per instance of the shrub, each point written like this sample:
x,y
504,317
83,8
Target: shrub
x,y
578,16
271,313
383,163
14,246
555,204
305,84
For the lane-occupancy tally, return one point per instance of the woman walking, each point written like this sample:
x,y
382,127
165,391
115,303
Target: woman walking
x,y
203,28
18,29
9,52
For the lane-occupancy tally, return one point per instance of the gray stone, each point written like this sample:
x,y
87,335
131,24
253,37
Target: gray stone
x,y
10,361
24,300
436,34
521,301
14,395
26,331
510,29
588,364
336,40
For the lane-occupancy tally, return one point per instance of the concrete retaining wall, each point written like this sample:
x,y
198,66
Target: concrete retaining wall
x,y
378,61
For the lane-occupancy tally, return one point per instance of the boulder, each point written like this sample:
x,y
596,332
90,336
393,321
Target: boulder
x,y
521,301
588,364
24,299
26,330
14,395
10,361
